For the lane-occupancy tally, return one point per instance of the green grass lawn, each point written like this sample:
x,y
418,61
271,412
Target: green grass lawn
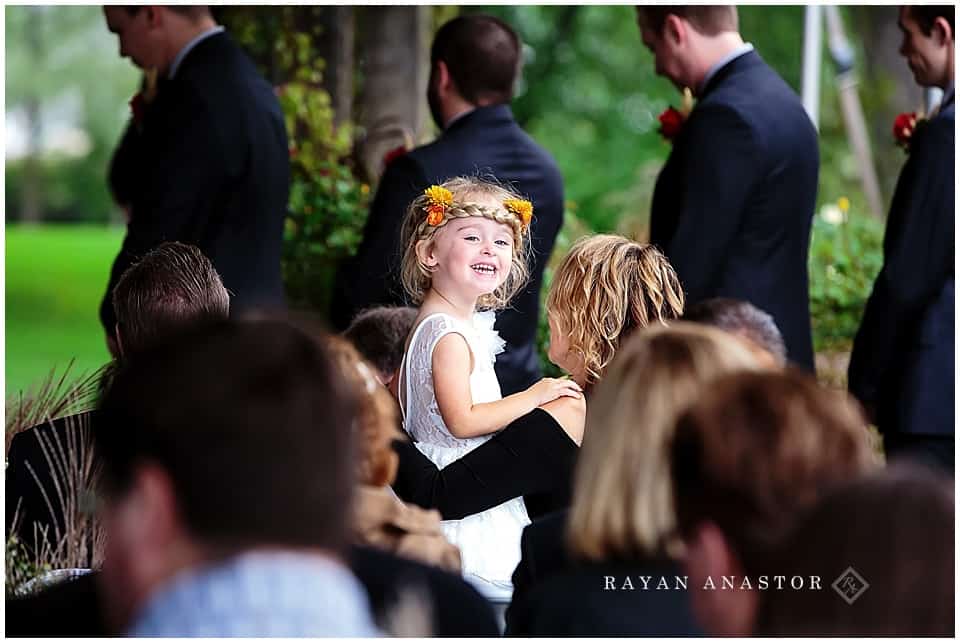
x,y
55,278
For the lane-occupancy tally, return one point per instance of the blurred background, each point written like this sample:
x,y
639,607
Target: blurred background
x,y
352,83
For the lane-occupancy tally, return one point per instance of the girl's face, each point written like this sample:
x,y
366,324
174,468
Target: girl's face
x,y
559,350
473,256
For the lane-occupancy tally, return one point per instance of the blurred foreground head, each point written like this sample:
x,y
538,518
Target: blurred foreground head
x,y
229,437
896,531
754,452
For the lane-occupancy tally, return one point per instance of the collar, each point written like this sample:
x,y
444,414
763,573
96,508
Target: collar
x,y
213,31
949,94
745,48
459,116
481,116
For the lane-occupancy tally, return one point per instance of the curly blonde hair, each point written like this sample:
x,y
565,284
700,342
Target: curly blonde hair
x,y
416,277
606,287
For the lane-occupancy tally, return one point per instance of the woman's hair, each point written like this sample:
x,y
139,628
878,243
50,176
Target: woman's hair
x,y
895,531
416,277
622,502
606,288
375,424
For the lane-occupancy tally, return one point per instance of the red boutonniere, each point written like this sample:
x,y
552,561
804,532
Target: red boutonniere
x,y
904,125
672,119
394,154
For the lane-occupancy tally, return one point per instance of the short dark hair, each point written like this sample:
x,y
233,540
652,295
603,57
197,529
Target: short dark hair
x,y
482,54
741,318
171,286
251,422
756,449
379,335
927,14
709,20
895,529
191,11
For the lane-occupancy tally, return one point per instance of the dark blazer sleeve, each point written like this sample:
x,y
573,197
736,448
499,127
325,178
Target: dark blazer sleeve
x,y
722,165
369,278
533,454
182,177
917,258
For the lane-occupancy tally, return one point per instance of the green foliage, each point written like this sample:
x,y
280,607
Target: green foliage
x,y
328,203
845,259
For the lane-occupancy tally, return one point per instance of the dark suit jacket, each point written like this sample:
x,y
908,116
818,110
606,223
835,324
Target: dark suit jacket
x,y
532,457
595,599
903,356
38,463
485,141
73,608
734,202
209,168
557,595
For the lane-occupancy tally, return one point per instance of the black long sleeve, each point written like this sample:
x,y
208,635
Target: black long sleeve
x,y
532,456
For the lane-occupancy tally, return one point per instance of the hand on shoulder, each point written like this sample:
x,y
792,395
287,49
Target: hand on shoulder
x,y
570,413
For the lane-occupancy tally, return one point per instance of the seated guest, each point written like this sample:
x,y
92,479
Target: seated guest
x,y
747,322
622,518
606,288
227,488
380,519
379,334
895,529
49,465
749,457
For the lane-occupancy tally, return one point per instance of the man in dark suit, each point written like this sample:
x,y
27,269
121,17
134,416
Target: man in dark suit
x,y
206,162
902,366
734,202
474,63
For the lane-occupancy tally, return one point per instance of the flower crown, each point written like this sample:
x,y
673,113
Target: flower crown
x,y
440,200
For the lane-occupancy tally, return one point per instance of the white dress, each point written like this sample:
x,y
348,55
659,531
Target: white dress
x,y
489,541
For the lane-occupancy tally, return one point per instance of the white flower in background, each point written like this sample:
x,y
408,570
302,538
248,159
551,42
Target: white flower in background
x,y
832,214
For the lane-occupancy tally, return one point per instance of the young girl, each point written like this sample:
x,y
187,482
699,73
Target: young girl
x,y
466,244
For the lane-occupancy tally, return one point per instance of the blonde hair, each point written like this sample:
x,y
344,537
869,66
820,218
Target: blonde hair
x,y
606,287
375,424
417,277
623,500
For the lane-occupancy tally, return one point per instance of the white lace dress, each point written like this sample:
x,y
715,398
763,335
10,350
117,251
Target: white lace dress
x,y
489,541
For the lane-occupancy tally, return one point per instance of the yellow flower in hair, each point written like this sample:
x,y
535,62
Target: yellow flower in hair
x,y
520,208
439,199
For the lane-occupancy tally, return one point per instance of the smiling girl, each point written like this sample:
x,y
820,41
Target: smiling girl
x,y
466,244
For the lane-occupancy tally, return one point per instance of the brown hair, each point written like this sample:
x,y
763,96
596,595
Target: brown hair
x,y
416,277
482,54
607,287
250,420
192,11
172,286
376,424
709,20
896,531
740,318
379,335
758,448
622,502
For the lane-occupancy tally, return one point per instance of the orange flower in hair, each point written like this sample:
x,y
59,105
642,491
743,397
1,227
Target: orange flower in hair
x,y
439,199
520,208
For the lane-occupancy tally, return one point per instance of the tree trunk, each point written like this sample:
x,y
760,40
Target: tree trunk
x,y
336,47
392,107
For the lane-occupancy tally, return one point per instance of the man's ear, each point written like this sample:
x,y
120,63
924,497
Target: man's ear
x,y
942,31
444,80
424,250
674,30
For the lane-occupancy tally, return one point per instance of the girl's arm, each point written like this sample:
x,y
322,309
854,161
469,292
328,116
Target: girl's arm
x,y
464,419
